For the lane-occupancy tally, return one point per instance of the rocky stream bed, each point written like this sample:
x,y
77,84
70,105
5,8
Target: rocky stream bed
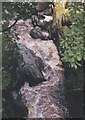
x,y
42,64
39,72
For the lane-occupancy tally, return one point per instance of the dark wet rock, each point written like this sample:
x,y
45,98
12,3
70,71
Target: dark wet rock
x,y
36,22
42,27
38,33
75,103
44,23
13,105
30,67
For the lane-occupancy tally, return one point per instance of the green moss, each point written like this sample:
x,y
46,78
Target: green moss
x,y
60,12
6,77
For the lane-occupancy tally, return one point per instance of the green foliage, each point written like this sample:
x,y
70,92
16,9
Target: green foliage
x,y
73,42
7,50
21,10
6,77
8,59
5,60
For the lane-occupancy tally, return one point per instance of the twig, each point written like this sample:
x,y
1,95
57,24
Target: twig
x,y
10,26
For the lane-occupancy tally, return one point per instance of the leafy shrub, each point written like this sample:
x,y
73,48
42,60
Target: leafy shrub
x,y
73,42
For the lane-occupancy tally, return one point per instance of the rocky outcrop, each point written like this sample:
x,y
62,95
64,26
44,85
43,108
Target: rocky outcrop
x,y
41,66
30,66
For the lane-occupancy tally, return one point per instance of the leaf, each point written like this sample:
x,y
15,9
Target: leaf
x,y
75,66
70,52
72,59
79,57
78,64
84,57
66,45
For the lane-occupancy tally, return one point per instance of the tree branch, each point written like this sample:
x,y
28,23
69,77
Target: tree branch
x,y
10,26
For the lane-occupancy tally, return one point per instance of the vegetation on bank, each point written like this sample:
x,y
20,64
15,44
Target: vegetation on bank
x,y
72,43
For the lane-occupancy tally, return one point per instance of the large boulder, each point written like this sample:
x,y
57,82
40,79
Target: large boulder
x,y
30,67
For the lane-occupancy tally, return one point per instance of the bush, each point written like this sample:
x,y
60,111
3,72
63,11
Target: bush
x,y
73,42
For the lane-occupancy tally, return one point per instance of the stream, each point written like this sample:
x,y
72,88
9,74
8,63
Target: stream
x,y
14,107
30,65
